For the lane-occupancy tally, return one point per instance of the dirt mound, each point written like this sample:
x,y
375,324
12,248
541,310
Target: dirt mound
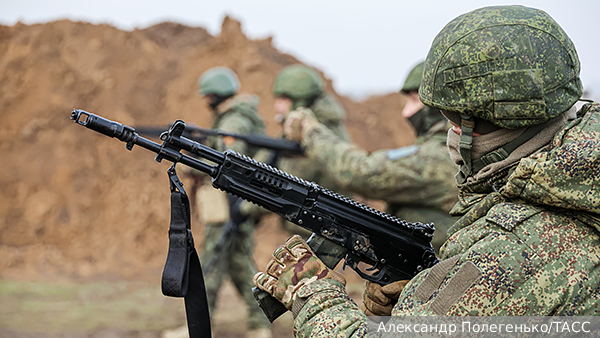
x,y
77,205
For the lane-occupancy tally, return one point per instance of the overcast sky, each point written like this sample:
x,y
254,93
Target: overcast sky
x,y
365,47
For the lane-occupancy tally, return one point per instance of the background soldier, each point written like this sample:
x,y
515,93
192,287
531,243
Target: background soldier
x,y
528,241
299,86
235,113
415,181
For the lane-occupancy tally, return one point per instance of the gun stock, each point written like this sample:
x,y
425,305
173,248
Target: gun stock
x,y
343,228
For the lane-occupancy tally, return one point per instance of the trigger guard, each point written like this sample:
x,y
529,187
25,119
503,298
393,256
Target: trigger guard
x,y
382,277
373,267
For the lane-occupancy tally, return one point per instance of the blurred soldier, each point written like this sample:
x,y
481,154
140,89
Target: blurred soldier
x,y
235,113
298,86
528,241
416,181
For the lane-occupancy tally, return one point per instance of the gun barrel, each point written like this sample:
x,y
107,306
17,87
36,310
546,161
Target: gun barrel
x,y
131,137
277,144
99,124
173,138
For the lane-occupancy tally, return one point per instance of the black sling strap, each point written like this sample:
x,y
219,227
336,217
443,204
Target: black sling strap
x,y
182,275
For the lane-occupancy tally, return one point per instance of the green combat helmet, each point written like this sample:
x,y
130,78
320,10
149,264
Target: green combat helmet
x,y
504,66
220,81
300,83
427,117
413,80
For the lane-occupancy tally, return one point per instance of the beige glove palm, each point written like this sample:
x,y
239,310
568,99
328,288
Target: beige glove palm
x,y
293,266
380,300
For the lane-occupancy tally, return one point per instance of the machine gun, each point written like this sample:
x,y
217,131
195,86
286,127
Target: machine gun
x,y
280,146
343,228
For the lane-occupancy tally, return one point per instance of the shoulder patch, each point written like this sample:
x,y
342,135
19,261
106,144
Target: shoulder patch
x,y
435,277
228,141
458,285
395,154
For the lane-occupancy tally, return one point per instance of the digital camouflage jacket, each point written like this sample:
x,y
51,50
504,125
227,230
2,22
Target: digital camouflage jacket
x,y
237,114
331,114
532,248
416,181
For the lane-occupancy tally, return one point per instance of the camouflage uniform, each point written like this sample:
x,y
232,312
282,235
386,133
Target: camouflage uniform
x,y
416,181
331,114
236,115
528,241
292,82
532,249
305,88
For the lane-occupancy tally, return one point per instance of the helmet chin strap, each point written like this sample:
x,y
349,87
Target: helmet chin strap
x,y
472,166
464,146
503,152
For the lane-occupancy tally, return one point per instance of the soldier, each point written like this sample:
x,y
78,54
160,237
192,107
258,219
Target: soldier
x,y
415,181
235,113
298,86
528,241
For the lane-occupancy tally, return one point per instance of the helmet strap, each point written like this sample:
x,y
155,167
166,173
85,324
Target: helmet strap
x,y
218,100
503,152
464,147
306,102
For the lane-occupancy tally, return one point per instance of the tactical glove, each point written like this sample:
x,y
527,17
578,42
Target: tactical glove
x,y
380,300
293,266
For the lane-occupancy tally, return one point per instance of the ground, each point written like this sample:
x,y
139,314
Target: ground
x,y
127,309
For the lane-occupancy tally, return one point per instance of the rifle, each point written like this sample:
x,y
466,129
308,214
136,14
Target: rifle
x,y
281,146
342,228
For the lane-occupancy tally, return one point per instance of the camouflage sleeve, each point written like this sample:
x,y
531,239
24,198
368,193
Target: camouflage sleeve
x,y
411,175
235,123
518,260
328,311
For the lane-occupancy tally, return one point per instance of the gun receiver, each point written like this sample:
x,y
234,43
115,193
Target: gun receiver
x,y
343,228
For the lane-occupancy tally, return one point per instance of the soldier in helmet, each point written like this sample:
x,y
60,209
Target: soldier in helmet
x,y
528,240
415,181
299,86
235,113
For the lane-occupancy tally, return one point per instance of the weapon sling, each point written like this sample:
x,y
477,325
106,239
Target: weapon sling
x,y
182,275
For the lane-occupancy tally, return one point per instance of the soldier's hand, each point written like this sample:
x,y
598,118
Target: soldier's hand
x,y
293,266
380,300
299,123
